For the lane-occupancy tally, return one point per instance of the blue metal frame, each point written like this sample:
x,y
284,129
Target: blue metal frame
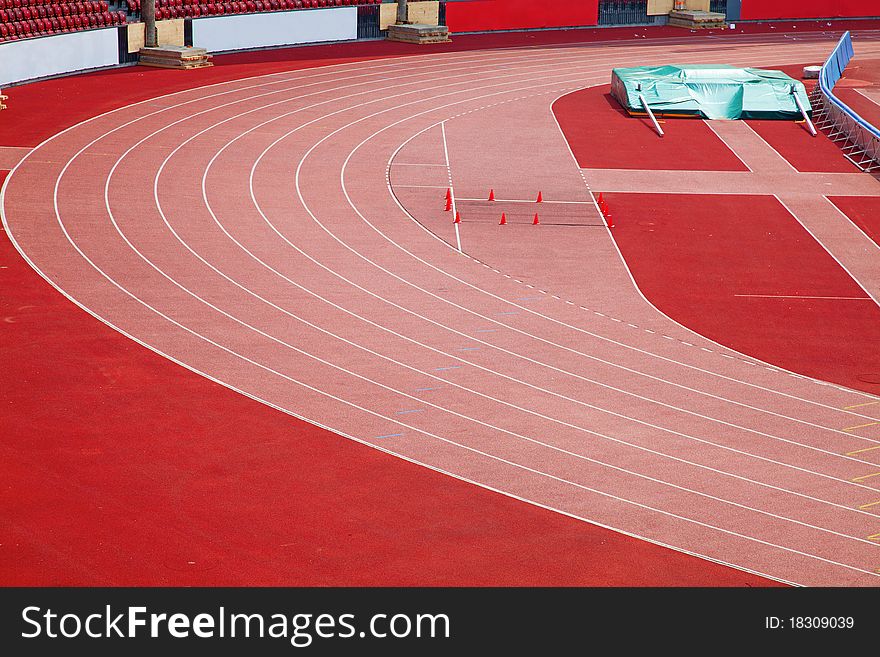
x,y
861,138
832,71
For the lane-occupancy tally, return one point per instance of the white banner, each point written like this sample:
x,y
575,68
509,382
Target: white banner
x,y
60,53
238,32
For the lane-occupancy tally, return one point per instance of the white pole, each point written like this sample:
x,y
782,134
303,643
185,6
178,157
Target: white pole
x,y
797,101
651,114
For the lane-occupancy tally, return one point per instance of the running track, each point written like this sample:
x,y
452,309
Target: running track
x,y
270,233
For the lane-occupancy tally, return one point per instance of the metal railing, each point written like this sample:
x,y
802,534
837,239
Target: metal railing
x,y
718,6
860,141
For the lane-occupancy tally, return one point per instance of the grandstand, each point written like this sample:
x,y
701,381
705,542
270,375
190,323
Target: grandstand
x,y
340,310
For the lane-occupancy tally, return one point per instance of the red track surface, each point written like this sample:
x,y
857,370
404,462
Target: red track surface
x,y
805,153
859,88
863,211
111,480
332,301
693,254
603,136
121,468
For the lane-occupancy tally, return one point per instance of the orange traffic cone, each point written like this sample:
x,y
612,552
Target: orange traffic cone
x,y
457,219
536,221
503,221
540,198
448,204
449,193
491,194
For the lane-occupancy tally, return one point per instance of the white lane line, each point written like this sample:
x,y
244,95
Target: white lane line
x,y
801,296
826,249
451,187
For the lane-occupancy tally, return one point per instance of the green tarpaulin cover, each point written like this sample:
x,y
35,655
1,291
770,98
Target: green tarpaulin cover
x,y
712,91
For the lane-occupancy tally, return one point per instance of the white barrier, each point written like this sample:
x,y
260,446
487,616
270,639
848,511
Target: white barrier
x,y
239,32
61,53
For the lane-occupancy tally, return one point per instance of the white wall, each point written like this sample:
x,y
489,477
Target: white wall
x,y
60,53
237,32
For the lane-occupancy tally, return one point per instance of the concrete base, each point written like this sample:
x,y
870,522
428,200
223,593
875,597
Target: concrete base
x,y
697,20
413,33
182,57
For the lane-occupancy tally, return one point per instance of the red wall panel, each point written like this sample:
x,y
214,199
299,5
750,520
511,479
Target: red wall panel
x,y
757,9
486,15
